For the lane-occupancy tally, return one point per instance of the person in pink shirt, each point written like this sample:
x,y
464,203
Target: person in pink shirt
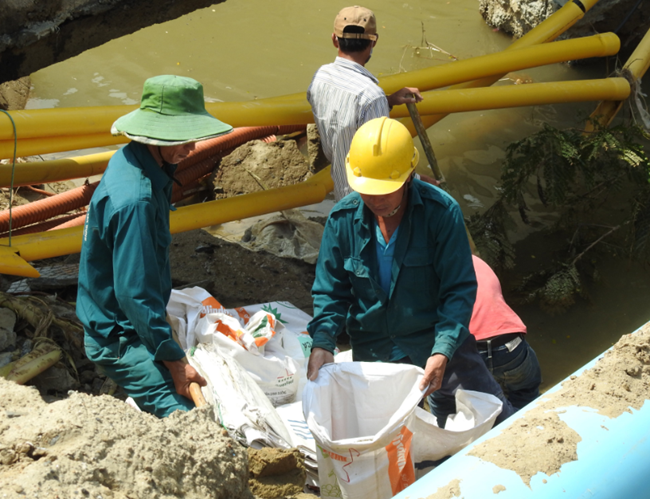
x,y
501,340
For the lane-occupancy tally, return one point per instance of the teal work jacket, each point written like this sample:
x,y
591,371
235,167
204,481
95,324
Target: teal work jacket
x,y
432,289
124,273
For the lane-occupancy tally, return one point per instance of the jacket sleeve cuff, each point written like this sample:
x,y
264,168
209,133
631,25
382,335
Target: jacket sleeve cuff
x,y
325,341
445,348
169,350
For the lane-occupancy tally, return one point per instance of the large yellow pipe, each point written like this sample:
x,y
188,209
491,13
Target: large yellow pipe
x,y
434,103
504,62
58,243
293,109
57,170
476,99
61,242
637,65
47,145
547,31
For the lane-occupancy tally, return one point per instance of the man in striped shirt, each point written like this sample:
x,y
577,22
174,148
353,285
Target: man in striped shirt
x,y
344,94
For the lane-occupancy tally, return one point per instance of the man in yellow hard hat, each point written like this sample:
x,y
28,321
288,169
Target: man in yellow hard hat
x,y
344,94
395,269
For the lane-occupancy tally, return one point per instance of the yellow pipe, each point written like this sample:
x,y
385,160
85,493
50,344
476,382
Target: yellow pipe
x,y
47,145
548,30
504,62
70,120
594,46
294,109
637,65
476,99
61,242
42,172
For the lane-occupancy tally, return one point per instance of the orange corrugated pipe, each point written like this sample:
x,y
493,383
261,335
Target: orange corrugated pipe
x,y
79,219
43,226
237,137
43,209
194,166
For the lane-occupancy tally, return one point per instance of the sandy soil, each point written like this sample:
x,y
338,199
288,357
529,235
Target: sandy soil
x,y
541,441
14,94
100,447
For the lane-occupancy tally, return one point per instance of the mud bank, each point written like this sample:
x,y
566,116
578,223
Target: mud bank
x,y
100,447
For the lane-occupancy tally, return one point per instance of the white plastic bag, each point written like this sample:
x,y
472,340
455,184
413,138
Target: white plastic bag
x,y
185,308
273,370
239,402
270,340
370,432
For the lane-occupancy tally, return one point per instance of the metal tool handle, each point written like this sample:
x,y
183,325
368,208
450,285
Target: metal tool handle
x,y
426,143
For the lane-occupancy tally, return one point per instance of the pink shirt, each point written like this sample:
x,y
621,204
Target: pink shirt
x,y
491,316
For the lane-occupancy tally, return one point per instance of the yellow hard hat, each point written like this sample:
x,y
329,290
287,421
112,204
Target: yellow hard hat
x,y
381,158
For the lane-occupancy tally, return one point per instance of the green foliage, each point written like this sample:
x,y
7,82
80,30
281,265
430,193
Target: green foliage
x,y
570,166
555,289
489,234
574,172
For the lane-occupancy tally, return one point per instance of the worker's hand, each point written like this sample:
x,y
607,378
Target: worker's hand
x,y
318,358
433,373
429,180
183,374
404,95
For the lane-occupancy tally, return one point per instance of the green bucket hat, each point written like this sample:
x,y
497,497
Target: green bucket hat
x,y
172,112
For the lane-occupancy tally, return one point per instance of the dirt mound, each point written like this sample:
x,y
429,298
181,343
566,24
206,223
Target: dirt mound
x,y
276,472
99,447
256,166
14,94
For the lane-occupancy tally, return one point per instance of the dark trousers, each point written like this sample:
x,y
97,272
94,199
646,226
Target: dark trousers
x,y
517,371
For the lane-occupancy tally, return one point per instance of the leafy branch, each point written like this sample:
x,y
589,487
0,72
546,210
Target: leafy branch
x,y
575,173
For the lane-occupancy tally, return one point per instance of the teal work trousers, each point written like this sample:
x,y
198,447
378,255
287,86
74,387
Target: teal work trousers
x,y
125,360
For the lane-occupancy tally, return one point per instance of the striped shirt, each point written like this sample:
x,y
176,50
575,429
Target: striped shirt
x,y
343,96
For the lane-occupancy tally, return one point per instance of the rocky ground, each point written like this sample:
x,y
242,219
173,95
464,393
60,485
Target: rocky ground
x,y
629,19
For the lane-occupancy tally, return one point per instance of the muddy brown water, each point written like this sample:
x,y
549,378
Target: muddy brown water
x,y
255,49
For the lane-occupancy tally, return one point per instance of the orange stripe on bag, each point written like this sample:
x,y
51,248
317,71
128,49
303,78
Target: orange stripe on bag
x,y
210,304
333,455
400,464
226,330
243,314
261,341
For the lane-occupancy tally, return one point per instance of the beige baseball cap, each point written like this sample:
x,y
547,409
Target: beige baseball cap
x,y
356,16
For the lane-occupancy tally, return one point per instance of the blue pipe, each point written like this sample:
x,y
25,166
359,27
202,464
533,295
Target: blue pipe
x,y
613,461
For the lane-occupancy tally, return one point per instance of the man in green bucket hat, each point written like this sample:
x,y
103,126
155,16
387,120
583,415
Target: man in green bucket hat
x,y
124,272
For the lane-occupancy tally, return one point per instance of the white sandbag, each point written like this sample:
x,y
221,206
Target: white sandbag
x,y
273,370
275,355
364,420
185,308
475,416
360,414
239,402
